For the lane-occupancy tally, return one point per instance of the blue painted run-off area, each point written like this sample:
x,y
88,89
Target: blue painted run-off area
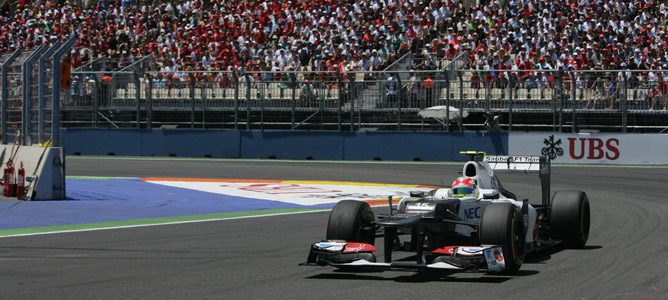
x,y
320,145
94,201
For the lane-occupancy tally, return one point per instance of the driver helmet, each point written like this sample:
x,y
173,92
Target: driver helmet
x,y
463,186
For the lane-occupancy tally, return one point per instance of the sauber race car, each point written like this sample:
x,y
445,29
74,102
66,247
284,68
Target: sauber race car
x,y
476,225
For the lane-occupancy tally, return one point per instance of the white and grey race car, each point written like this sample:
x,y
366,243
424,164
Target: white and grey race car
x,y
487,230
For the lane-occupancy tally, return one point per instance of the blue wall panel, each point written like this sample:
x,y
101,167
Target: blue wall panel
x,y
191,143
320,145
101,142
427,146
396,146
492,143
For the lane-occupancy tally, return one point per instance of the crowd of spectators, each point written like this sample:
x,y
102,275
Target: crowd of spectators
x,y
342,36
533,35
577,34
317,35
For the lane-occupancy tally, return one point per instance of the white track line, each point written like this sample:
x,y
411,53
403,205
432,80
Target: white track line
x,y
161,224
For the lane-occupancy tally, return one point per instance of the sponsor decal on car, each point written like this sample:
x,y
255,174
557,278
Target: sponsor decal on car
x,y
461,250
495,259
472,213
330,246
358,247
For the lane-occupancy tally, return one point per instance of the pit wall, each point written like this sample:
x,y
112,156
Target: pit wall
x,y
319,145
44,170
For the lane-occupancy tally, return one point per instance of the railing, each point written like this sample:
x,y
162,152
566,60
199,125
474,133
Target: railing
x,y
326,100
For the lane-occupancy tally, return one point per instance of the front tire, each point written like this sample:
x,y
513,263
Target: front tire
x,y
351,221
502,224
570,218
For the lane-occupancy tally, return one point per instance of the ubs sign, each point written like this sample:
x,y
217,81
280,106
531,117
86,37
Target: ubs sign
x,y
584,148
593,148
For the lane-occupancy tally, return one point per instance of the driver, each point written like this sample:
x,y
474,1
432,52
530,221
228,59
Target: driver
x,y
464,187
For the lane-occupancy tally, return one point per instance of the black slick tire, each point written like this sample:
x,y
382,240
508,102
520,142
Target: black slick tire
x,y
502,224
351,221
570,218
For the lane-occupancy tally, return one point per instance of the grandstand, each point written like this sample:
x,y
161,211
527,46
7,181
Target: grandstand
x,y
326,64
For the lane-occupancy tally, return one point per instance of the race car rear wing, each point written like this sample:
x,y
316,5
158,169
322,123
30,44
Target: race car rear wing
x,y
526,164
518,163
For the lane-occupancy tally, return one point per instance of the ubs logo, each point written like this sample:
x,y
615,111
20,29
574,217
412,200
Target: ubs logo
x,y
552,148
582,148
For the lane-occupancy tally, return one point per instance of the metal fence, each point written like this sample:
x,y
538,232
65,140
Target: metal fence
x,y
29,88
373,100
383,100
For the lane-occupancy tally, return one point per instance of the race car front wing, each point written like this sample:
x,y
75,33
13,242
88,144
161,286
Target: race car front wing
x,y
360,256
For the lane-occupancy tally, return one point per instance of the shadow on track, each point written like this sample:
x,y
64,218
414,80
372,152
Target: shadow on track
x,y
420,277
543,256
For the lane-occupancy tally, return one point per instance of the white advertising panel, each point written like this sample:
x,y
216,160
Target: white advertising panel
x,y
593,148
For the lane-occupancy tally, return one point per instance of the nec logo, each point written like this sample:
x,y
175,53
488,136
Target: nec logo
x,y
472,213
593,148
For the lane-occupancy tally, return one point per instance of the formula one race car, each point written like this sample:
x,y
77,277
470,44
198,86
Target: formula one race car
x,y
474,225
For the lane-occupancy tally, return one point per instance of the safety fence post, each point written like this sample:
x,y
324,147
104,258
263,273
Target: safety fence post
x,y
149,101
573,101
235,82
248,100
5,93
352,95
513,85
191,96
42,89
27,94
461,102
137,80
204,105
261,99
293,81
96,99
26,107
447,100
55,94
400,100
560,94
624,96
339,87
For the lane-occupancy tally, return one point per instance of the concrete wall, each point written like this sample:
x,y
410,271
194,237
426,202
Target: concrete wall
x,y
320,145
45,165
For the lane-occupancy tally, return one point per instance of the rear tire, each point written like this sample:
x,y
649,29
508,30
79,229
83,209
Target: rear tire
x,y
352,221
502,224
570,218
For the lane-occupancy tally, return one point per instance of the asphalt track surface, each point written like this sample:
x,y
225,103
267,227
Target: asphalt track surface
x,y
257,258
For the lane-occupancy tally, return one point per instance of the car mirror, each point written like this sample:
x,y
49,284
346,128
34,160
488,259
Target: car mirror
x,y
492,195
